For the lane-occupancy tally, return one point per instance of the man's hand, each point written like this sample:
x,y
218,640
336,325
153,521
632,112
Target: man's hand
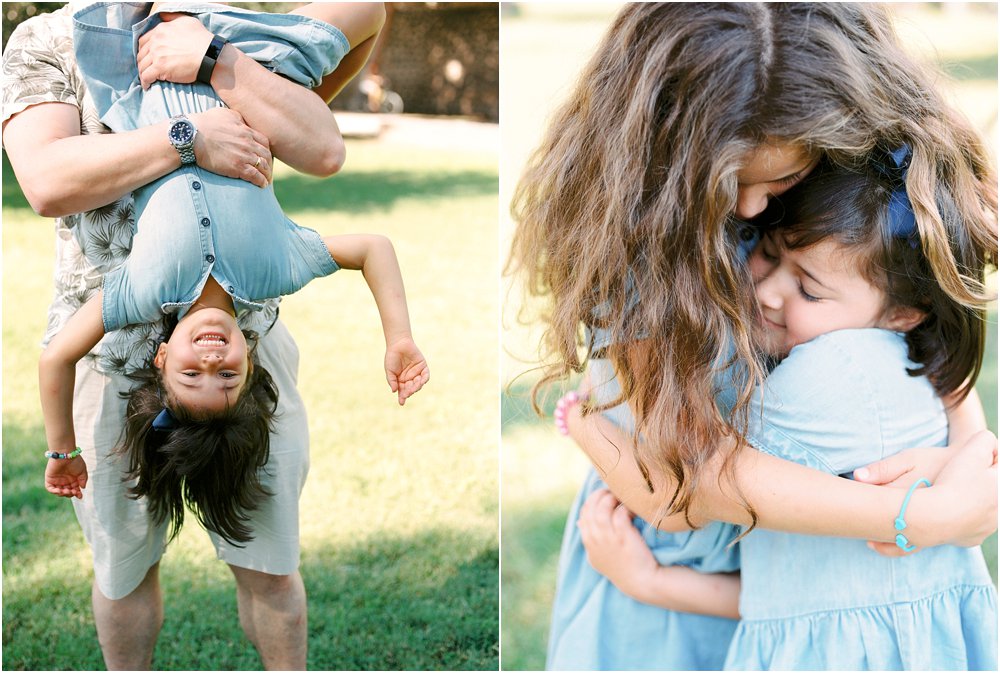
x,y
227,146
66,477
173,50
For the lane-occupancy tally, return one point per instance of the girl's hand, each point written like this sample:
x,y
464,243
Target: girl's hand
x,y
66,477
963,494
900,471
905,467
405,368
614,546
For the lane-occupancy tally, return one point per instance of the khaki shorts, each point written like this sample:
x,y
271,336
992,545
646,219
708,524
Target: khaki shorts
x,y
124,542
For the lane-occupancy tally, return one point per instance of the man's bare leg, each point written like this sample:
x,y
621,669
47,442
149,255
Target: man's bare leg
x,y
273,616
127,628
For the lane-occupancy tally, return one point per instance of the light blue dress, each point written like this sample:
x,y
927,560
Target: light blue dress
x,y
597,627
594,625
839,402
193,223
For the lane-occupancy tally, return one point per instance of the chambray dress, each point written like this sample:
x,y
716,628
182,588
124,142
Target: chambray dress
x,y
594,625
192,223
839,402
597,627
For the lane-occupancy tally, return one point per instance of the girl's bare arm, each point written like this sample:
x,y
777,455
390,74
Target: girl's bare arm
x,y
57,372
960,508
375,257
405,367
617,550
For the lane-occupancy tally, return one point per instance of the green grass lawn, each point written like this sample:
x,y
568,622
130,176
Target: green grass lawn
x,y
541,471
399,515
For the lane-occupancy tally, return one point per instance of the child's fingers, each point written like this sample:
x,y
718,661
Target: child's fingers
x,y
599,504
599,514
60,491
888,549
587,509
410,382
621,519
885,471
392,380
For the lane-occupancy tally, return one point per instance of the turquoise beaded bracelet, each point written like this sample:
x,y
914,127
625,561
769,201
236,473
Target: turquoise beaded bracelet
x,y
900,523
63,456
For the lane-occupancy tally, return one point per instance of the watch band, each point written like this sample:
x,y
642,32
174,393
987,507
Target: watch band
x,y
209,59
187,155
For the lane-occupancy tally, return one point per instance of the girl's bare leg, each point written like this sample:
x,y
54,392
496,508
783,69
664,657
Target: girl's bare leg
x,y
360,22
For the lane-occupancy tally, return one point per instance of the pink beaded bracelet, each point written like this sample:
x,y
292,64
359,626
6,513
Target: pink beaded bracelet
x,y
562,408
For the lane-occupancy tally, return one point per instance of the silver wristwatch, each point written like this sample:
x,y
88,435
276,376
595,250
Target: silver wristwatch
x,y
182,134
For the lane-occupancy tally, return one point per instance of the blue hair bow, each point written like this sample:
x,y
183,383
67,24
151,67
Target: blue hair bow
x,y
894,166
165,421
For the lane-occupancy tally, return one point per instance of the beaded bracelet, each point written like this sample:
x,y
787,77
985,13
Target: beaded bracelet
x,y
900,524
63,456
562,408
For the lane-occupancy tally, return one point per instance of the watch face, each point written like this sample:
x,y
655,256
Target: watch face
x,y
182,132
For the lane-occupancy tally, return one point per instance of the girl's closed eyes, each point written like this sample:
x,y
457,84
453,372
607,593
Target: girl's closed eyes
x,y
810,291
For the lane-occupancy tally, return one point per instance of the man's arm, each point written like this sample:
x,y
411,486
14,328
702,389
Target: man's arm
x,y
62,172
298,123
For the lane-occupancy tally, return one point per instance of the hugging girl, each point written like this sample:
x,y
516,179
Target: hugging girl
x,y
637,230
869,344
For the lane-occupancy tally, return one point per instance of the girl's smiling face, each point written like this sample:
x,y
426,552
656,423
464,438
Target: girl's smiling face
x,y
811,291
205,363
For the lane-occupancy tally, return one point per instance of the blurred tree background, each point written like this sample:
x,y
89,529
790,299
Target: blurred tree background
x,y
436,58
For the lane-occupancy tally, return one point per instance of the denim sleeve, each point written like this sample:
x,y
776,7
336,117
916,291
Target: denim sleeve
x,y
124,304
821,406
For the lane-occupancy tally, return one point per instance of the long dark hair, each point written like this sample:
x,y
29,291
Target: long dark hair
x,y
211,464
851,207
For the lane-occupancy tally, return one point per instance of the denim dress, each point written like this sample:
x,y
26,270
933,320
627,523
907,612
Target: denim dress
x,y
837,403
192,223
597,627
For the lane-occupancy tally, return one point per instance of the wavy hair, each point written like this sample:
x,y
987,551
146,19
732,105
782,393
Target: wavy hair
x,y
624,211
211,464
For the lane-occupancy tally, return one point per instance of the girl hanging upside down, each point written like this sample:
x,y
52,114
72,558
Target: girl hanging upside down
x,y
206,249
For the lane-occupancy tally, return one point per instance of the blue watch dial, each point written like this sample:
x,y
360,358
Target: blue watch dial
x,y
182,132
